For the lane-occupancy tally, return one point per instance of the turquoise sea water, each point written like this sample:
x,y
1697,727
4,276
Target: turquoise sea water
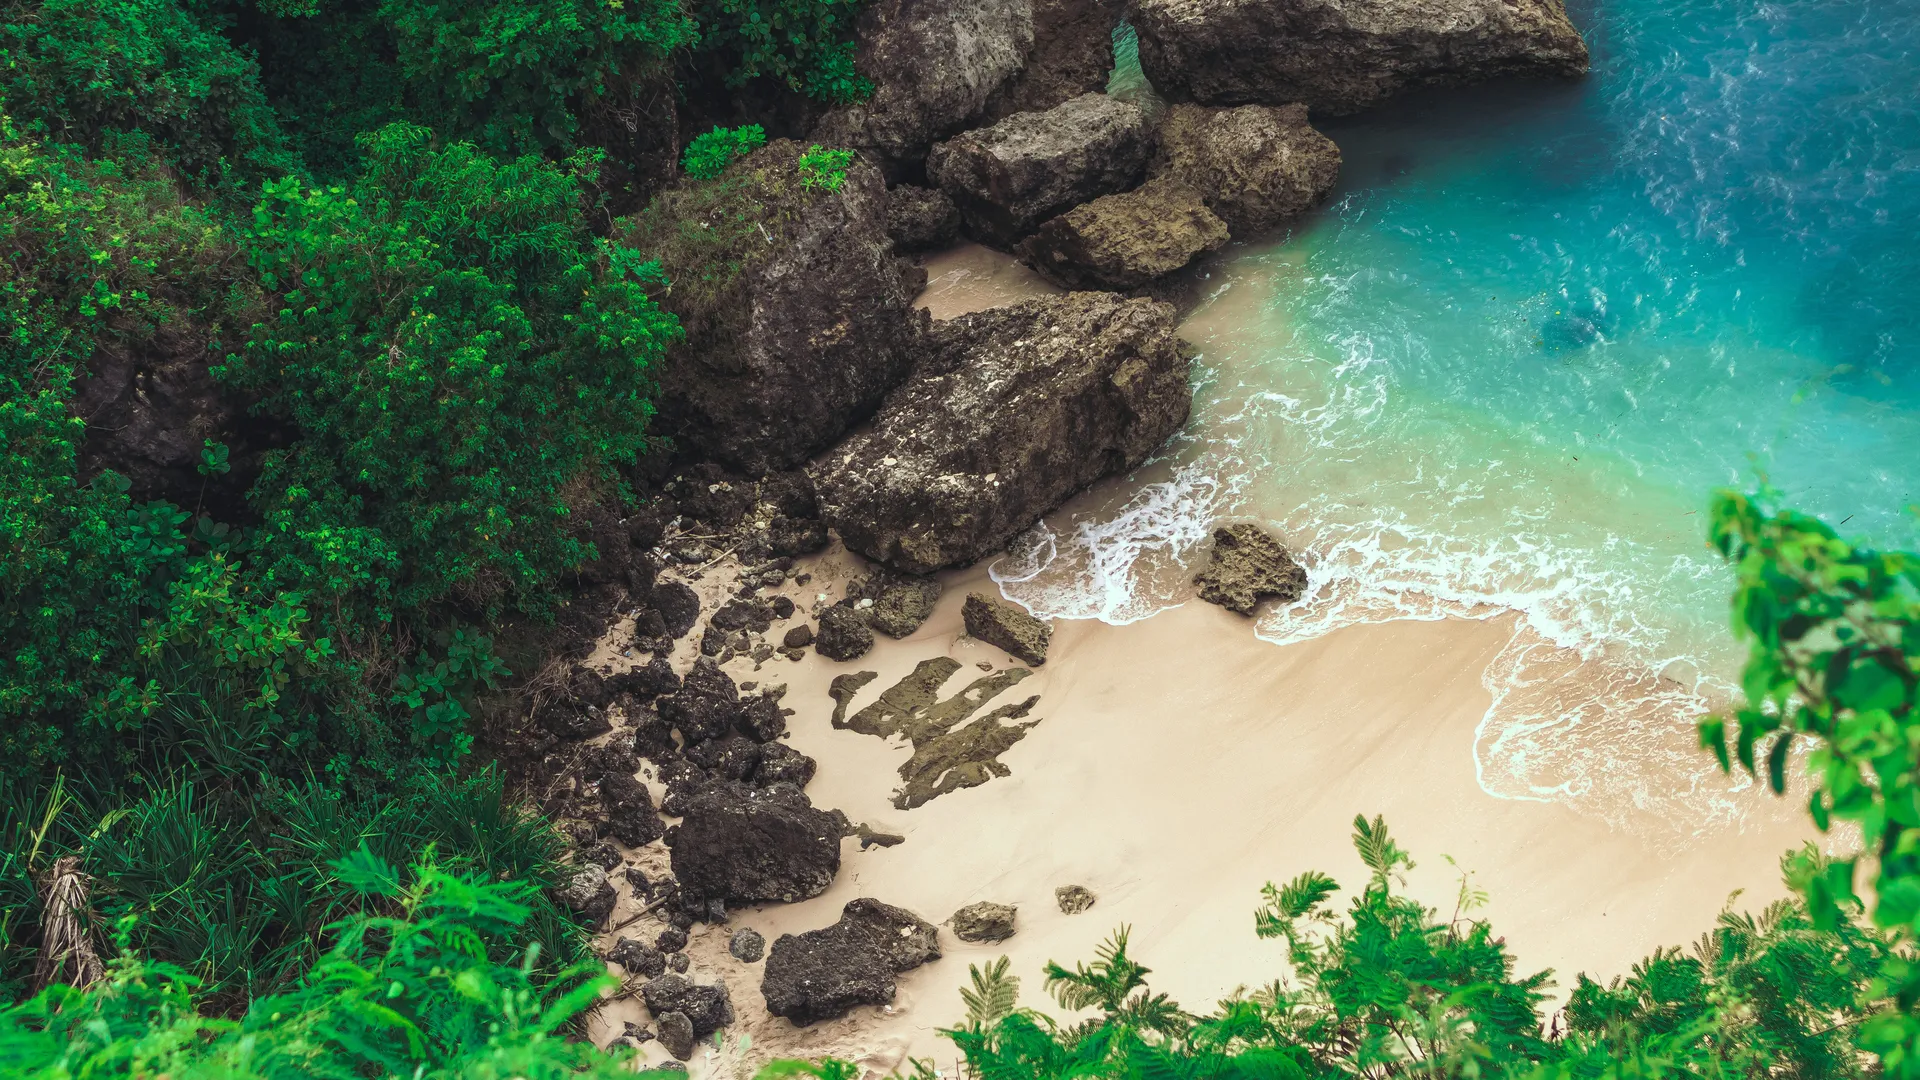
x,y
1535,328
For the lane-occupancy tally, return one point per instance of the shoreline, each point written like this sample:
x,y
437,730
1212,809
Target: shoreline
x,y
1180,763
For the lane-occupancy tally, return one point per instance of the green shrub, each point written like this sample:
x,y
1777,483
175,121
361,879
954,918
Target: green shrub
x,y
806,45
708,155
824,169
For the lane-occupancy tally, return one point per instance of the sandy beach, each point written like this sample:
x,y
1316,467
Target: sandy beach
x,y
1178,764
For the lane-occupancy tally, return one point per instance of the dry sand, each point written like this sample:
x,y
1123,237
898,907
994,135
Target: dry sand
x,y
1180,763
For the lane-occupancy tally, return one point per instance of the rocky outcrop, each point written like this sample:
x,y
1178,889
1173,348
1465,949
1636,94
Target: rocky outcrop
x,y
935,64
1257,166
984,923
1340,56
844,634
1008,178
1010,412
707,705
1006,627
741,844
1249,566
1072,55
821,974
630,814
798,318
1125,241
921,219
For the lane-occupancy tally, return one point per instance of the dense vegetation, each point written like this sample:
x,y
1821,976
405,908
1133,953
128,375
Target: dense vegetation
x,y
373,248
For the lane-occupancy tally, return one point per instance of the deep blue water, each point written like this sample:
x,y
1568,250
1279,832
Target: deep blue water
x,y
1536,327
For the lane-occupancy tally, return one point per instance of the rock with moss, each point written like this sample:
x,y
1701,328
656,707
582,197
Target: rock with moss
x,y
1257,166
1247,567
1007,627
1338,56
935,65
1125,241
1008,178
1011,412
797,315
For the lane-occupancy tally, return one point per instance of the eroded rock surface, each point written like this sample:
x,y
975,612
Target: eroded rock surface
x,y
1249,566
844,634
1010,412
1343,55
798,318
1007,627
1256,166
921,219
935,64
743,844
901,602
1124,241
951,749
1072,55
984,923
1008,178
823,973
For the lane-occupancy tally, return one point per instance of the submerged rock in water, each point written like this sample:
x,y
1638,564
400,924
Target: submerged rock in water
x,y
1249,566
1257,166
934,64
1011,412
1339,56
1008,178
1125,241
823,973
984,923
1007,627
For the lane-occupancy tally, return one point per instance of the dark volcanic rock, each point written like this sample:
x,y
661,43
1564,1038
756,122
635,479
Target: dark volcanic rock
x,y
921,219
798,320
678,605
630,813
731,757
590,894
983,923
1072,55
844,634
747,946
742,844
1007,627
676,1034
782,764
1008,178
1343,55
707,705
1125,241
1012,411
1257,166
707,1008
671,940
1249,566
823,973
934,65
901,602
638,958
762,719
799,637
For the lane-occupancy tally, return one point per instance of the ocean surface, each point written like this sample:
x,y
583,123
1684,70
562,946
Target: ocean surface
x,y
1502,372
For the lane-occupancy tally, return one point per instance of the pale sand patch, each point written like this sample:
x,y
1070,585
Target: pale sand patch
x,y
971,277
1178,765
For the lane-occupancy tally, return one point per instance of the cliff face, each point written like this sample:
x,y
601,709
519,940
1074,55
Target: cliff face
x,y
1339,56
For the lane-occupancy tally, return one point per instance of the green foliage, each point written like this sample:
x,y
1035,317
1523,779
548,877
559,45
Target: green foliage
x,y
709,155
824,169
807,45
1834,632
90,72
413,985
460,359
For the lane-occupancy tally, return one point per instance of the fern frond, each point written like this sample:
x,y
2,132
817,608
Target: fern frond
x,y
995,993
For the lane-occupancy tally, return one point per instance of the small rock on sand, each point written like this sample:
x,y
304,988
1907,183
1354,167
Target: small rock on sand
x,y
1249,566
983,923
747,946
1007,627
844,634
1073,899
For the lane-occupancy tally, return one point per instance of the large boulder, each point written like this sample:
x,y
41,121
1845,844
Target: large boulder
x,y
1249,566
1125,241
935,64
742,845
1257,166
1008,178
798,317
921,219
1072,55
821,974
1011,411
1340,56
